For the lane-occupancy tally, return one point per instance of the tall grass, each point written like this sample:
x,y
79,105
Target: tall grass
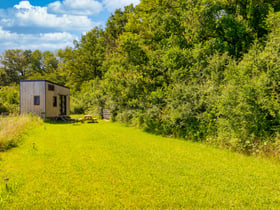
x,y
13,127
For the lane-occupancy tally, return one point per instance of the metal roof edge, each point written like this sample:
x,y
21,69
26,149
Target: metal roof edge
x,y
43,80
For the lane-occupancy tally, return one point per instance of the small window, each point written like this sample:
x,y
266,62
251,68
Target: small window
x,y
54,101
50,87
36,100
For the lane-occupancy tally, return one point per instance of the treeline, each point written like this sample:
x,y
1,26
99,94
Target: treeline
x,y
205,70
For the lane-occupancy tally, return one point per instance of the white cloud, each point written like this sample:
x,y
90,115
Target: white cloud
x,y
76,7
112,5
26,15
23,5
6,35
48,41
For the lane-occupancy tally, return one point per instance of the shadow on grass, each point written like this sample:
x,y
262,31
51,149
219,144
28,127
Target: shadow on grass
x,y
61,122
153,131
8,146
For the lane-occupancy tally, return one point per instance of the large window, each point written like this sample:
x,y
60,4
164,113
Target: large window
x,y
36,100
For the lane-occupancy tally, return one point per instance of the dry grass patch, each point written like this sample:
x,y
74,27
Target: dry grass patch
x,y
12,128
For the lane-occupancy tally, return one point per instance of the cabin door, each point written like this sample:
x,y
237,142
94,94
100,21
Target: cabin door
x,y
62,105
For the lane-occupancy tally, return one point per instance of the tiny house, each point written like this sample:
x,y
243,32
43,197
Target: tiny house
x,y
44,98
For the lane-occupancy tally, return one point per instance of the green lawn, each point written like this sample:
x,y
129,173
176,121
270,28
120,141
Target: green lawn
x,y
107,165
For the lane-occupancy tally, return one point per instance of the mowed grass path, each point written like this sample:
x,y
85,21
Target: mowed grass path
x,y
109,166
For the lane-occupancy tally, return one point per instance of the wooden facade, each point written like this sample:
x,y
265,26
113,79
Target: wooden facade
x,y
44,98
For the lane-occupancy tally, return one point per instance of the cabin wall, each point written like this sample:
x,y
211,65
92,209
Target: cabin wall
x,y
52,110
27,92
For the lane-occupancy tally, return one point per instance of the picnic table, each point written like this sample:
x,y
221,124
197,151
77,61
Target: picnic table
x,y
88,118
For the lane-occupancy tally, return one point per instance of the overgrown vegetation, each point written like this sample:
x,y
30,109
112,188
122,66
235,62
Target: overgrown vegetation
x,y
12,129
202,70
9,99
109,166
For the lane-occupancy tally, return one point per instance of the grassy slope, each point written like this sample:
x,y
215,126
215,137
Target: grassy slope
x,y
106,165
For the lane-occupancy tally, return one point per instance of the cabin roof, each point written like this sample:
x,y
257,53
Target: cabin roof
x,y
43,80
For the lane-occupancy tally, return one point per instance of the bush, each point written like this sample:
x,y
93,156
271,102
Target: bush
x,y
3,109
76,106
9,99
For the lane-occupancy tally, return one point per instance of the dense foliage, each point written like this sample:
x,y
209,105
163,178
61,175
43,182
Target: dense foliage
x,y
203,70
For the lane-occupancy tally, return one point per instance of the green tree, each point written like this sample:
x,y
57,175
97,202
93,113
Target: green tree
x,y
16,64
36,65
86,59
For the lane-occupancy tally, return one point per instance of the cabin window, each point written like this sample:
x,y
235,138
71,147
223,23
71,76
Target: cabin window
x,y
36,100
50,87
54,101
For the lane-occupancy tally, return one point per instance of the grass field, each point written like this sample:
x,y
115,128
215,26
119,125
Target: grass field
x,y
109,166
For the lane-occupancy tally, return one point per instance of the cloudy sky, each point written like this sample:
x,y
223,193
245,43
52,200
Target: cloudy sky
x,y
51,24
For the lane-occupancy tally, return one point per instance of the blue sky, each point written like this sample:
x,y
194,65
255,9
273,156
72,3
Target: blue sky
x,y
51,24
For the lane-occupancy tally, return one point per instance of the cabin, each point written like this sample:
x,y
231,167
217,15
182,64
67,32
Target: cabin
x,y
44,98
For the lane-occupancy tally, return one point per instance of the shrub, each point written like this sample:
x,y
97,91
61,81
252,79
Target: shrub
x,y
76,106
9,99
3,108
